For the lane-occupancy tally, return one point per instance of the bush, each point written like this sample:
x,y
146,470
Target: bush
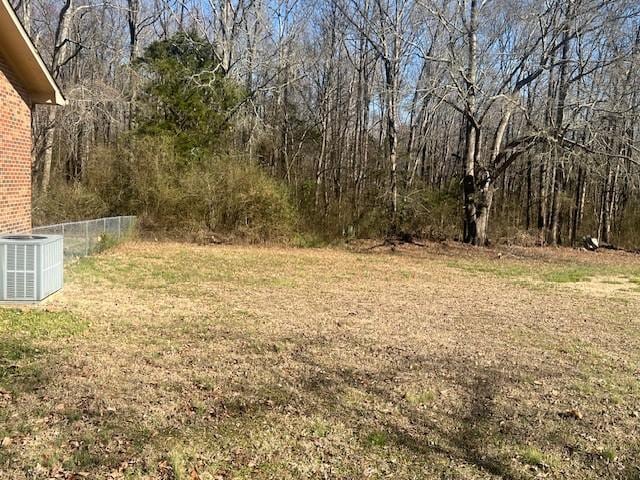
x,y
428,213
145,176
236,197
67,202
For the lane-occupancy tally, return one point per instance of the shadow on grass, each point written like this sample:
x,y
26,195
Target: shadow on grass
x,y
477,426
471,434
24,362
21,369
468,439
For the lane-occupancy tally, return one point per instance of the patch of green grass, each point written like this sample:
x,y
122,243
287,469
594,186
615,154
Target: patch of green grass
x,y
320,428
554,274
136,273
584,387
377,438
537,275
35,324
199,407
530,284
615,399
533,456
204,383
178,465
568,275
635,283
182,274
21,332
407,274
609,454
84,457
105,242
423,397
72,414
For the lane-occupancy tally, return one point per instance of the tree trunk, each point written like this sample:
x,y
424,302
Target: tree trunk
x,y
529,195
554,221
320,166
558,172
471,130
610,205
47,155
573,232
132,21
469,185
484,201
392,137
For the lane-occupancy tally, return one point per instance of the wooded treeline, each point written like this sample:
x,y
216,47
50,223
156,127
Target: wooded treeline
x,y
464,118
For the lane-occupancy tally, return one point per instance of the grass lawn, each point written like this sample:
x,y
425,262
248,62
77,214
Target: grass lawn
x,y
174,361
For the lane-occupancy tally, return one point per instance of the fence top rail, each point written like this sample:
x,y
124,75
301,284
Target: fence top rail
x,y
79,222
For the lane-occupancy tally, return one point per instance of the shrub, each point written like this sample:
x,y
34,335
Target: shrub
x,y
145,176
236,197
428,213
67,202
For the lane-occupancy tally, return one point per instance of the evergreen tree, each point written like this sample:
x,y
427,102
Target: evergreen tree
x,y
186,96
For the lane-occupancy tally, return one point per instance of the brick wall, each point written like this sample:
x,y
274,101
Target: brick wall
x,y
15,154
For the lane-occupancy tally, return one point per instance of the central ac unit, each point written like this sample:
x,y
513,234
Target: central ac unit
x,y
31,267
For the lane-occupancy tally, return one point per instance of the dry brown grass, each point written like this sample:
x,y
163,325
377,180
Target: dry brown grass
x,y
194,362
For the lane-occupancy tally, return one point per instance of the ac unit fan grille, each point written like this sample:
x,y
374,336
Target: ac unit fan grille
x,y
21,272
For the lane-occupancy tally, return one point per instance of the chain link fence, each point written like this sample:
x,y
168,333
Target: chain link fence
x,y
90,236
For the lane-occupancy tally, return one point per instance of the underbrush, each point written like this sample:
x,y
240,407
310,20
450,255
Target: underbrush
x,y
224,195
207,197
174,194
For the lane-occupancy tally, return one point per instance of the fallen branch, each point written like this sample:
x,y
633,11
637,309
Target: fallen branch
x,y
397,240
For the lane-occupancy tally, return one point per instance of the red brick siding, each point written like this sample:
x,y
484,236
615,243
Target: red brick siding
x,y
15,153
